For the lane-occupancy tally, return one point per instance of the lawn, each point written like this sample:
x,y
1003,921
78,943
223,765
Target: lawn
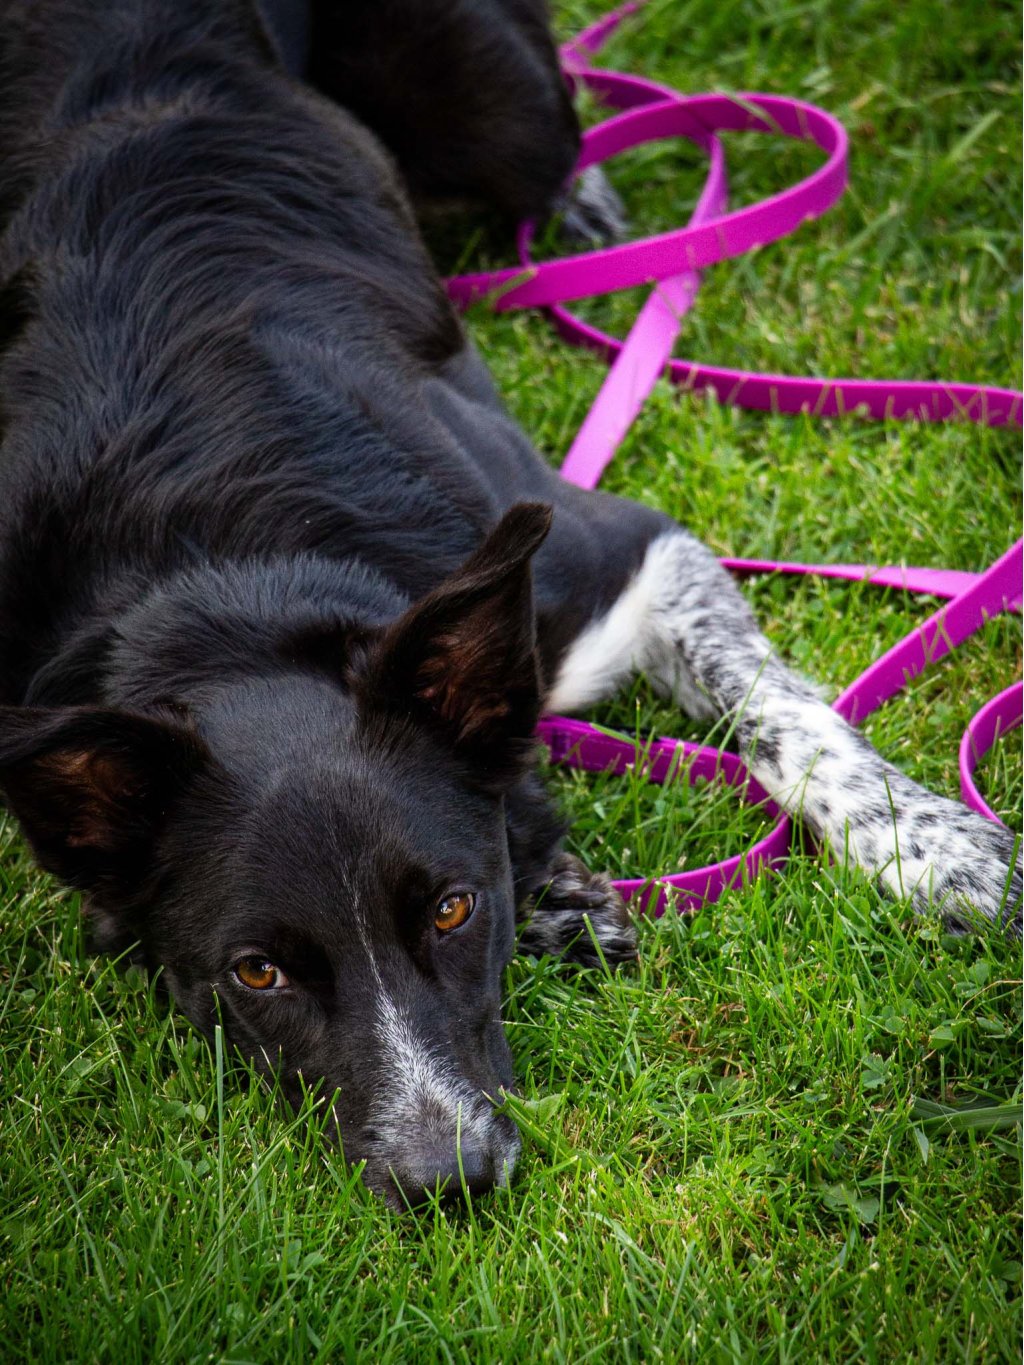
x,y
789,1134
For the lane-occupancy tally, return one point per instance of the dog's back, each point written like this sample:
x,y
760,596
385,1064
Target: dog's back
x,y
189,293
231,343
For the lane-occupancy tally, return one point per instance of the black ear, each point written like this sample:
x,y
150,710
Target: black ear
x,y
463,658
90,787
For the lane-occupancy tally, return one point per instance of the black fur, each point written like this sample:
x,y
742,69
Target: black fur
x,y
467,95
243,431
282,587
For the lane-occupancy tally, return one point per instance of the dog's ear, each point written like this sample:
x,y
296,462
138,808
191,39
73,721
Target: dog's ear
x,y
90,787
463,658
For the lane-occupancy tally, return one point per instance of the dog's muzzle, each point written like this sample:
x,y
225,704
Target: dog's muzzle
x,y
477,1156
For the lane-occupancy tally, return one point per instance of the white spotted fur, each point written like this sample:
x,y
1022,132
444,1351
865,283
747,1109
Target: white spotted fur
x,y
683,622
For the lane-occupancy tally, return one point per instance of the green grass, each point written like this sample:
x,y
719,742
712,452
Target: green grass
x,y
732,1153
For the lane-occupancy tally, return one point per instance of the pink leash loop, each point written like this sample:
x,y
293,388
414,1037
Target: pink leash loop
x,y
997,716
702,243
993,593
576,744
672,261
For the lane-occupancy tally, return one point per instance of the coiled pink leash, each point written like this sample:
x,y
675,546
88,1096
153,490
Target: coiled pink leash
x,y
671,261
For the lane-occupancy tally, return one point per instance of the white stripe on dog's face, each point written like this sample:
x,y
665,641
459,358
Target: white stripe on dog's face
x,y
422,1092
419,1098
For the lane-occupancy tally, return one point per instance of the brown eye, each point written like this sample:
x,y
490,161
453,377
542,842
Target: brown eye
x,y
259,974
454,910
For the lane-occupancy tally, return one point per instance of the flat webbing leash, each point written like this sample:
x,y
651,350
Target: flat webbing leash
x,y
671,262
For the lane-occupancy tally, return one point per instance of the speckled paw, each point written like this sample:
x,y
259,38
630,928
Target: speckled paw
x,y
574,913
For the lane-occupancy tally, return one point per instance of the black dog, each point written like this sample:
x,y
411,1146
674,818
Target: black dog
x,y
283,590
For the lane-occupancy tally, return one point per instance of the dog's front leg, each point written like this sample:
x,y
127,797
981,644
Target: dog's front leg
x,y
591,210
567,909
579,916
683,622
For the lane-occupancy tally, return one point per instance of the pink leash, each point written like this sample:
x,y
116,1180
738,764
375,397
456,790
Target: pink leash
x,y
672,262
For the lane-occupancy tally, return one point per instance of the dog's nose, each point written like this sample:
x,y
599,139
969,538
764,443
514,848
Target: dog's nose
x,y
453,1172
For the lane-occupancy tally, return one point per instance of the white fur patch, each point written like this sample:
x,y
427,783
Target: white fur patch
x,y
631,637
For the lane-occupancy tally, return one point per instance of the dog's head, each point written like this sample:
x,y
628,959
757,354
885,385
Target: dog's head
x,y
317,857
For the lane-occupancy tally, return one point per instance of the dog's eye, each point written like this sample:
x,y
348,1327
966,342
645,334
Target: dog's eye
x,y
454,910
259,974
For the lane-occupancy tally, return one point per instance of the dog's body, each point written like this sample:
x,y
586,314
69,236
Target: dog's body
x,y
273,648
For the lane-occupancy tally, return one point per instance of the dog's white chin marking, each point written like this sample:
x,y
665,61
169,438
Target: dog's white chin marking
x,y
683,622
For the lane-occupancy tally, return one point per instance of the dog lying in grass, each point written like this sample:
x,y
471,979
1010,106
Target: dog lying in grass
x,y
283,589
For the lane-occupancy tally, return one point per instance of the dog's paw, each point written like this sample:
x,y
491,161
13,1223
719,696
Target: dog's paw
x,y
948,858
574,909
980,878
592,211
